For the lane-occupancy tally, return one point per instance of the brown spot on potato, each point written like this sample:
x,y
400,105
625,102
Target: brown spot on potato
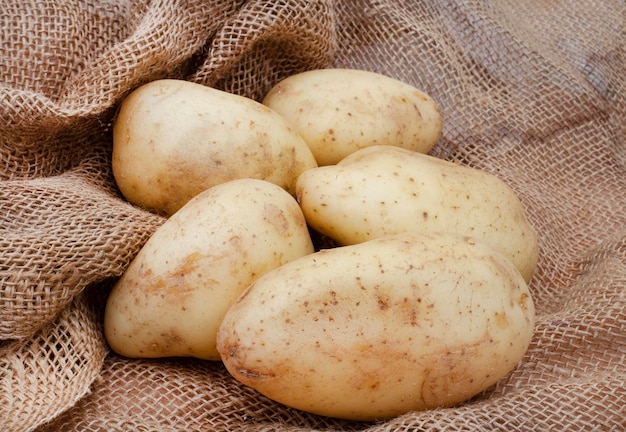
x,y
383,303
173,285
523,302
254,375
276,218
501,320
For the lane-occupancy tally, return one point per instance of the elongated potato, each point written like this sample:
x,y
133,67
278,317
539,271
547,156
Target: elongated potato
x,y
172,139
374,330
171,299
338,111
384,190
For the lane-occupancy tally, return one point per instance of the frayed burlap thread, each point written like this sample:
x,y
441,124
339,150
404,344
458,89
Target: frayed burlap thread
x,y
533,92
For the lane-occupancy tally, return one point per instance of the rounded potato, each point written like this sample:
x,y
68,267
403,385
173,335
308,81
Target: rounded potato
x,y
384,190
338,111
374,330
172,139
171,299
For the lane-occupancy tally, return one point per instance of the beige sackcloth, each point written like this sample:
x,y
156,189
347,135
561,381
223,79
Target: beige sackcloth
x,y
531,91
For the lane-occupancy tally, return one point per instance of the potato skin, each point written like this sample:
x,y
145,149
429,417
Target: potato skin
x,y
172,139
384,190
338,111
374,330
171,299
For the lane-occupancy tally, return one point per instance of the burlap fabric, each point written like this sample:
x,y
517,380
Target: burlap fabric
x,y
532,91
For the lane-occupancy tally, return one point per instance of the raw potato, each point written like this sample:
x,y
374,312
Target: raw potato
x,y
171,299
384,190
172,139
374,330
338,111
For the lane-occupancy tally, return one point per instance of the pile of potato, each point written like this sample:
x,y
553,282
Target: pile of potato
x,y
422,303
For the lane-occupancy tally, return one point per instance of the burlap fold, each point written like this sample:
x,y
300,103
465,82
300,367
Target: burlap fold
x,y
533,92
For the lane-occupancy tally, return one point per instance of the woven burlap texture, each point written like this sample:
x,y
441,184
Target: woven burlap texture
x,y
531,91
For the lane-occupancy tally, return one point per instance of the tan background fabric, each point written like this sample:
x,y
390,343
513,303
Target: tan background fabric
x,y
532,91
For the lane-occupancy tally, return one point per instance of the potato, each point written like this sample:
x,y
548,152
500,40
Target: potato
x,y
171,299
172,139
338,111
374,330
382,190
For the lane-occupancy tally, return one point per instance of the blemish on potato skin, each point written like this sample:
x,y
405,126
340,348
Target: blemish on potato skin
x,y
254,375
383,303
501,320
523,302
276,218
